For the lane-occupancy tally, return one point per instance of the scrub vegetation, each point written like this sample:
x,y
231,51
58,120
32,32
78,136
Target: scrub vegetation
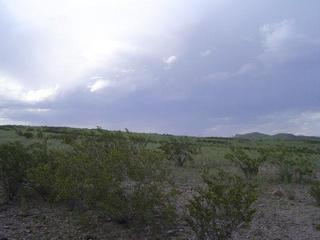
x,y
124,185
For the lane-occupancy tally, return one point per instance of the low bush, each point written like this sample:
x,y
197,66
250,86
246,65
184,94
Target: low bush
x,y
129,184
293,167
180,151
40,175
248,164
315,192
219,207
13,164
144,198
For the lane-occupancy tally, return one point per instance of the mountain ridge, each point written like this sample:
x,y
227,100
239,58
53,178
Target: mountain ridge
x,y
277,136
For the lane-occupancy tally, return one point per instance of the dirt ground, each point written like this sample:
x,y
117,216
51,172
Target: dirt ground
x,y
283,212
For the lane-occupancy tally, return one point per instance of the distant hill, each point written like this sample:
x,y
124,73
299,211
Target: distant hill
x,y
279,136
286,136
253,135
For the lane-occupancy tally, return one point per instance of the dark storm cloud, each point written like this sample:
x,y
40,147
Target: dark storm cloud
x,y
249,66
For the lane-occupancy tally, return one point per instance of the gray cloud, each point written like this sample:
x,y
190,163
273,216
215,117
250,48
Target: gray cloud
x,y
232,68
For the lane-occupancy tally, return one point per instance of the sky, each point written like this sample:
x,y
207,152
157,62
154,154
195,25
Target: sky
x,y
196,67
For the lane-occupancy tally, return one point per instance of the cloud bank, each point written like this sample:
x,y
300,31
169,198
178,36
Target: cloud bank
x,y
197,67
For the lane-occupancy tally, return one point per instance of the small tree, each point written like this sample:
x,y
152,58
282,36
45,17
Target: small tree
x,y
219,207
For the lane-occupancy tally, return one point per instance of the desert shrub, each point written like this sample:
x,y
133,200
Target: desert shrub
x,y
6,127
304,168
40,175
285,164
315,192
41,178
293,167
74,178
18,131
180,151
68,138
65,175
114,174
39,134
144,198
28,134
13,164
221,206
130,185
248,164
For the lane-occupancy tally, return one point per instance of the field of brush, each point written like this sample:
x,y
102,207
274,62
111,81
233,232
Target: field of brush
x,y
67,183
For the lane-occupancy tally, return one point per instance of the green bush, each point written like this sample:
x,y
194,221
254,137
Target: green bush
x,y
293,167
221,206
41,170
112,173
41,179
68,138
180,151
248,164
107,174
39,134
13,164
315,192
304,168
28,134
143,199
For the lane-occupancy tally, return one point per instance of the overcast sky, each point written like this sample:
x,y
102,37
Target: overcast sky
x,y
196,67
